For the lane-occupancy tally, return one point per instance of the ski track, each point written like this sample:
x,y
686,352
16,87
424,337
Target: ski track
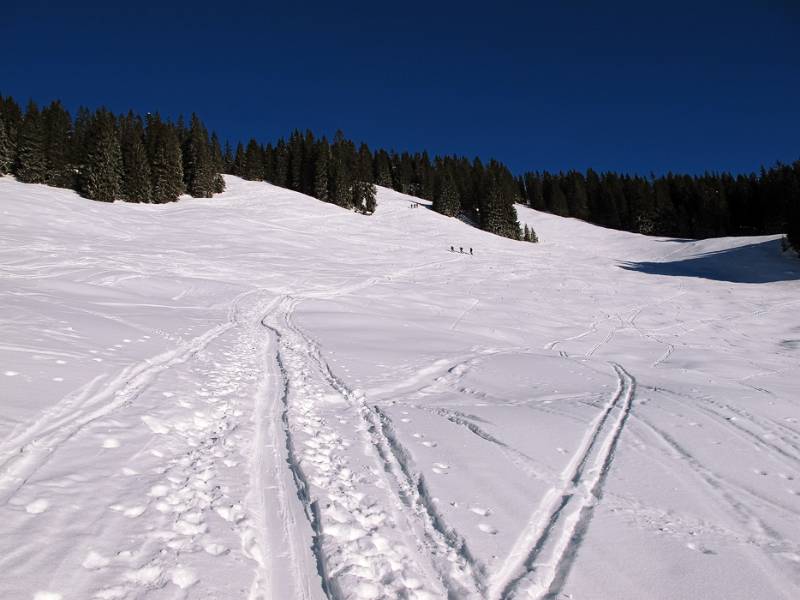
x,y
24,453
361,525
543,553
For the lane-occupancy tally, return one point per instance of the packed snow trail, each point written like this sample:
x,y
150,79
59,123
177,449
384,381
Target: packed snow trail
x,y
264,396
556,526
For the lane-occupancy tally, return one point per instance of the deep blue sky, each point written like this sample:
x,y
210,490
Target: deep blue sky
x,y
682,86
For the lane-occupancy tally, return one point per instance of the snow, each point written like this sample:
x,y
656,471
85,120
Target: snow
x,y
261,395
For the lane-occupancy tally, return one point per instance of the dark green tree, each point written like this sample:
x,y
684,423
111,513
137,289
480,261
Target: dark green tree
x,y
166,160
31,164
446,200
136,176
199,169
57,128
253,162
101,177
5,150
321,167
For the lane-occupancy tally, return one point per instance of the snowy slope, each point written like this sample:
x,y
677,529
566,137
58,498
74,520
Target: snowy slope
x,y
264,396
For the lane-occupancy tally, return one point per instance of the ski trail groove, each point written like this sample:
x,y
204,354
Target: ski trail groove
x,y
274,418
540,559
363,538
22,455
461,572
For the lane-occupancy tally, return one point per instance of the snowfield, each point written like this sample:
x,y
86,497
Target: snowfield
x,y
264,396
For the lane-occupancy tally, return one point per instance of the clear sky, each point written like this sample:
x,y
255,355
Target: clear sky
x,y
632,86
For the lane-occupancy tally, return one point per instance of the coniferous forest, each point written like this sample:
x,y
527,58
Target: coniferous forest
x,y
110,157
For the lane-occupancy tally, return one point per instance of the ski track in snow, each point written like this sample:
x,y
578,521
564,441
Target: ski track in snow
x,y
541,554
24,453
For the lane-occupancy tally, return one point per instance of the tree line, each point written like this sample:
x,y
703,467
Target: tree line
x,y
149,159
340,172
708,205
109,157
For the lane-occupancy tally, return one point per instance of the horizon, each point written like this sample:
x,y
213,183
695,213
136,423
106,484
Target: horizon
x,y
724,101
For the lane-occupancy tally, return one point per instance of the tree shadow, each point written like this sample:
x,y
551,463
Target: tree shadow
x,y
761,262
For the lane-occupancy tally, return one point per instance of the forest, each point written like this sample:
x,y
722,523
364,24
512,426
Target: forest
x,y
128,157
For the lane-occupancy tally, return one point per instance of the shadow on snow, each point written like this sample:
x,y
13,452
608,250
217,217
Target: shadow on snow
x,y
761,262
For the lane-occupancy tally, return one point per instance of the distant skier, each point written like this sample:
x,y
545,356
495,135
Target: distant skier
x,y
470,251
461,249
452,249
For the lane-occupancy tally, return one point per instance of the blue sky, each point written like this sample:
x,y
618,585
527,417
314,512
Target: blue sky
x,y
631,86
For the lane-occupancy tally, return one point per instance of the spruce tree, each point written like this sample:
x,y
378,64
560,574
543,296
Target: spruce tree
x,y
57,128
227,159
446,199
383,169
219,164
31,164
166,163
295,149
253,162
136,176
238,165
199,169
101,178
5,149
321,166
363,189
281,177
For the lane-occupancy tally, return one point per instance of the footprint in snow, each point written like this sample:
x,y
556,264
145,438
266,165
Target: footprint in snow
x,y
37,506
94,561
430,444
215,549
146,576
486,528
479,510
183,577
110,443
47,596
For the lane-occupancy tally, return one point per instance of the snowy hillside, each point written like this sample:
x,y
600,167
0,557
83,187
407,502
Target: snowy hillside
x,y
261,395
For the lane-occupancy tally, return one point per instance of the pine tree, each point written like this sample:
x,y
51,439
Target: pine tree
x,y
281,164
446,200
57,128
101,178
166,162
5,149
341,172
321,166
199,169
227,159
238,165
136,176
219,164
295,161
253,162
383,169
363,189
79,146
31,164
